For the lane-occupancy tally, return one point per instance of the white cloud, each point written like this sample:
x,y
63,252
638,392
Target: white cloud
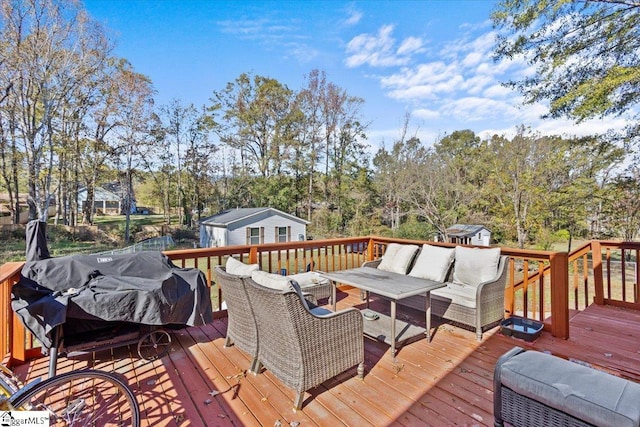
x,y
426,114
459,86
410,45
302,52
473,59
424,74
379,50
561,127
474,109
474,85
565,127
354,17
497,91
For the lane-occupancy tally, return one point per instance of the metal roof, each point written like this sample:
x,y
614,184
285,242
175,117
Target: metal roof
x,y
464,230
230,216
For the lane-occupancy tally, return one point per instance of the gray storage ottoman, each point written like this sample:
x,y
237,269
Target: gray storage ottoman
x,y
536,389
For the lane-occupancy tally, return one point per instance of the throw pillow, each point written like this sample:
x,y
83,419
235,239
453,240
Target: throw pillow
x,y
475,265
433,263
310,278
397,258
270,280
233,266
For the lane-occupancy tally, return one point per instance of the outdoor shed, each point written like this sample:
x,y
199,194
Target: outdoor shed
x,y
104,201
469,234
251,226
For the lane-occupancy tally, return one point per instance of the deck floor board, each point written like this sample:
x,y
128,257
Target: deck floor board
x,y
446,382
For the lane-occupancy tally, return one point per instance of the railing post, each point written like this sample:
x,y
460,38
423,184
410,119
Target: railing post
x,y
509,300
559,294
18,350
253,255
598,281
370,250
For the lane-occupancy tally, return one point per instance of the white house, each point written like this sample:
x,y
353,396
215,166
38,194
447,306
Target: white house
x,y
469,234
105,201
251,226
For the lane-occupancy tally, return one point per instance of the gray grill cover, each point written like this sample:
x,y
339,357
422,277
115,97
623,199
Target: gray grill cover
x,y
143,287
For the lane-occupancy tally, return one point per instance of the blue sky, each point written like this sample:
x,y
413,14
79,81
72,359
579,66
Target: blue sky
x,y
431,58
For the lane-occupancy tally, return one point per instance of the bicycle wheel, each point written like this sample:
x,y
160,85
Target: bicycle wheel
x,y
81,398
9,383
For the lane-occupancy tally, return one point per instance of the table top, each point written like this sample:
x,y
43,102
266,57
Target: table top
x,y
391,285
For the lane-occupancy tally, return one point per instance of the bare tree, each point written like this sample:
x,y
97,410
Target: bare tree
x,y
55,47
311,136
135,135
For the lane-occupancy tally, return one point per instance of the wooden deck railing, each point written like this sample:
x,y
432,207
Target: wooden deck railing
x,y
538,287
605,272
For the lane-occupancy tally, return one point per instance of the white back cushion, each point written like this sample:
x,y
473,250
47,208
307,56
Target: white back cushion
x,y
475,265
397,258
233,266
433,263
270,280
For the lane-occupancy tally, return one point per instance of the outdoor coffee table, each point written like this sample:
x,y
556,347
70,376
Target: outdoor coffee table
x,y
394,287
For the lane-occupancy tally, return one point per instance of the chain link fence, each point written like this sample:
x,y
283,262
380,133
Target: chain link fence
x,y
155,244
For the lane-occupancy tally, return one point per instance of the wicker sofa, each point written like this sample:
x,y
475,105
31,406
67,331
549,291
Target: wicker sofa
x,y
475,279
302,345
536,389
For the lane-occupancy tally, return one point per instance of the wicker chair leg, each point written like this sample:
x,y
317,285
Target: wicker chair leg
x,y
361,370
479,333
227,342
297,404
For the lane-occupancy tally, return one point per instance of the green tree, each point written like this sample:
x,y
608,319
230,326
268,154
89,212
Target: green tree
x,y
622,206
521,172
255,110
436,190
585,53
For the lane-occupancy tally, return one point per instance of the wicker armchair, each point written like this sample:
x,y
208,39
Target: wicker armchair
x,y
300,348
241,328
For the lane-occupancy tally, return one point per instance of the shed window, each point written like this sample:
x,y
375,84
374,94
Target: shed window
x,y
254,235
283,234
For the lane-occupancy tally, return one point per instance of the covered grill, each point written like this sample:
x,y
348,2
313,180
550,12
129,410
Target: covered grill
x,y
65,299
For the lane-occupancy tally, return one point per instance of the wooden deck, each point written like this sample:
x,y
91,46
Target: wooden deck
x,y
445,382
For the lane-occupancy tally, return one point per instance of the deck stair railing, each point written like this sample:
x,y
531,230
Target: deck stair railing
x,y
542,285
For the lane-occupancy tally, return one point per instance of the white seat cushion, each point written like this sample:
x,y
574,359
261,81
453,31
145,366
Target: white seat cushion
x,y
473,266
433,263
459,294
233,266
270,280
397,258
